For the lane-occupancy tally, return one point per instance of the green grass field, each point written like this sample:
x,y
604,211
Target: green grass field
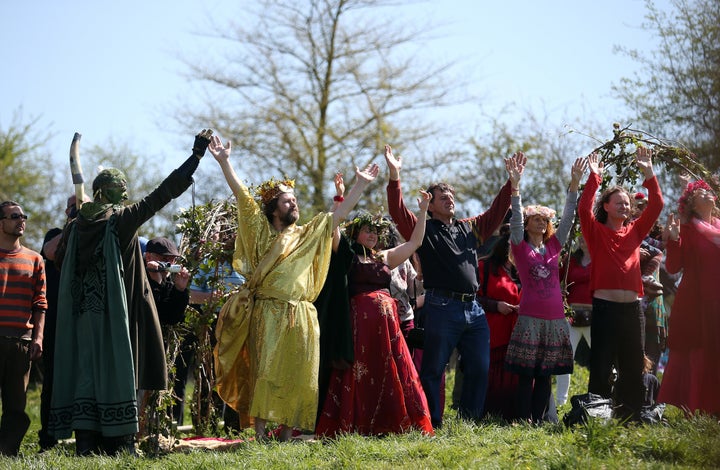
x,y
681,443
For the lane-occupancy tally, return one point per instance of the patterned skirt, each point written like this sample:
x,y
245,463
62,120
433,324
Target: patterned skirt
x,y
540,347
381,393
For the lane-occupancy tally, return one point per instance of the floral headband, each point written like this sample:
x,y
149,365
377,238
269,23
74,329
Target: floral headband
x,y
542,211
689,191
377,222
272,188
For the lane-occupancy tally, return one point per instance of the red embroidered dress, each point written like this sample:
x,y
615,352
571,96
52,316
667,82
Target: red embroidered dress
x,y
381,392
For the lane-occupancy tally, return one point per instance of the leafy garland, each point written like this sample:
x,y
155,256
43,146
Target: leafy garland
x,y
620,151
618,154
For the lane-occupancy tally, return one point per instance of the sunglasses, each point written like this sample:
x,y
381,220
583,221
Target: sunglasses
x,y
15,216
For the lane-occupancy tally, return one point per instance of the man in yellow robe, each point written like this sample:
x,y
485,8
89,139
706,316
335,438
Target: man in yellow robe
x,y
267,354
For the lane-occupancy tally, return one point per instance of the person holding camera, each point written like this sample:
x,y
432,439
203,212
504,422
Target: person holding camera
x,y
168,281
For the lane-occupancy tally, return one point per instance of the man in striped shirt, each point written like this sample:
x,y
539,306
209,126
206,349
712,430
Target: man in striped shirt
x,y
22,317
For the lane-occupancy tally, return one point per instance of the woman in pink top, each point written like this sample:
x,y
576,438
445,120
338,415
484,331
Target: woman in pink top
x,y
540,342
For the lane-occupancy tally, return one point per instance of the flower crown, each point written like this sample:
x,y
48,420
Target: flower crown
x,y
272,188
542,211
378,222
687,194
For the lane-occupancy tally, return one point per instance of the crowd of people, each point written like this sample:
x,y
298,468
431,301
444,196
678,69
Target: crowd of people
x,y
320,333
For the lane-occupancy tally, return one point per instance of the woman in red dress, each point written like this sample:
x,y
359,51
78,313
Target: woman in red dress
x,y
499,295
381,392
692,376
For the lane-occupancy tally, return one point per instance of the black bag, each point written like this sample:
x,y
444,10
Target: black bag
x,y
416,338
653,414
588,405
581,317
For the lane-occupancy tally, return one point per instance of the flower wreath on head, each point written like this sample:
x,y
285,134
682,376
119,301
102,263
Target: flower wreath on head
x,y
537,209
687,194
272,188
378,222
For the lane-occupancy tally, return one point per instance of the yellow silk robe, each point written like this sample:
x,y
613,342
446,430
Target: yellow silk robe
x,y
267,354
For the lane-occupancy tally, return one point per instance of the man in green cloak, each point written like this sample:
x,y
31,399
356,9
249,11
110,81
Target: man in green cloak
x,y
108,341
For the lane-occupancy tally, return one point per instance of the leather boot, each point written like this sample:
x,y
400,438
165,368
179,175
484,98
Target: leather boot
x,y
86,442
117,444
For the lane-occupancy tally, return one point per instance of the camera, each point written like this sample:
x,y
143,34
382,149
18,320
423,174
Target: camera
x,y
171,268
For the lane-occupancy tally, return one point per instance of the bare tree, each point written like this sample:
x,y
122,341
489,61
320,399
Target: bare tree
x,y
28,179
550,151
319,86
677,93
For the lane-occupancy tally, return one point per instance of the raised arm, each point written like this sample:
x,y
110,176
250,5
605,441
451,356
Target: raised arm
x,y
362,180
490,220
396,256
587,198
222,156
515,166
337,199
643,159
404,219
568,215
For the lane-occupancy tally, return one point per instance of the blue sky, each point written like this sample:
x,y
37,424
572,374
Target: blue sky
x,y
109,69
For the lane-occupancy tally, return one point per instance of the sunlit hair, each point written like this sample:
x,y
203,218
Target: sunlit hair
x,y
5,204
549,230
686,203
601,214
441,188
537,209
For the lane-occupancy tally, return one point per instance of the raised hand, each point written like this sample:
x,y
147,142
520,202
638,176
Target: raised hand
x,y
424,200
394,163
672,229
201,142
643,159
368,174
339,184
594,163
218,150
576,172
515,165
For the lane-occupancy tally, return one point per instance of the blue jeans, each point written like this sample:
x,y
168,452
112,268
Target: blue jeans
x,y
451,324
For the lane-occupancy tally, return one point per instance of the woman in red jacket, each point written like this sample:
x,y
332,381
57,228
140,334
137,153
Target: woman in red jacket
x,y
499,295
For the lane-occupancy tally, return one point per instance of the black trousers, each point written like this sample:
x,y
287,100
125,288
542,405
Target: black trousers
x,y
617,336
45,439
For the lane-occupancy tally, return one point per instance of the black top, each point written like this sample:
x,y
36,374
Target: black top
x,y
449,256
169,301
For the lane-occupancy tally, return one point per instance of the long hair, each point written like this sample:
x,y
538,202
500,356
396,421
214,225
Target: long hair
x,y
549,230
499,254
601,214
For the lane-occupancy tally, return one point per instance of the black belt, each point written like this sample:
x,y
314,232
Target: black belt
x,y
452,295
16,339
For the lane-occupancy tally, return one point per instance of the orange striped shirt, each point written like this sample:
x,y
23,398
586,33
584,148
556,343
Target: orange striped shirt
x,y
22,290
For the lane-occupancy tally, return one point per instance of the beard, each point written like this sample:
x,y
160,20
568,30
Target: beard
x,y
290,217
